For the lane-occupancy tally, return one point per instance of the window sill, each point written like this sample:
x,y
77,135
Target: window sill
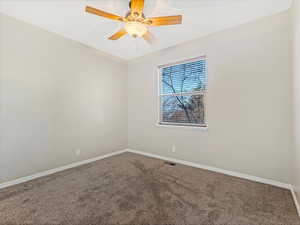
x,y
170,126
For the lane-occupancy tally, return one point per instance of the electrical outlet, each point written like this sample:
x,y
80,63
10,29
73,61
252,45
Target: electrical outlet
x,y
173,148
78,152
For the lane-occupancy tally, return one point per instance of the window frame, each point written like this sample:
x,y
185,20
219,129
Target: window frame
x,y
203,93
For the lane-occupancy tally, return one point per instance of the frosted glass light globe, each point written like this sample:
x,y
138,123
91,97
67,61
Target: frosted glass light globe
x,y
135,29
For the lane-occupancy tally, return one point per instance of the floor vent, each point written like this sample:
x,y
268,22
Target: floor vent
x,y
170,163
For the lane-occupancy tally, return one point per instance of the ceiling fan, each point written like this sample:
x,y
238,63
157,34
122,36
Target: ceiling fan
x,y
136,24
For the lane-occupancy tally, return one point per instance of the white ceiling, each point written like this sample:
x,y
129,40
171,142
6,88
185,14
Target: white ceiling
x,y
200,17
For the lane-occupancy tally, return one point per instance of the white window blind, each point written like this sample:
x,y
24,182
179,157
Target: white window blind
x,y
183,89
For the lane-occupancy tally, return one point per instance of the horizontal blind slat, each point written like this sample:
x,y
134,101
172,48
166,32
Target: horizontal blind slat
x,y
186,77
182,93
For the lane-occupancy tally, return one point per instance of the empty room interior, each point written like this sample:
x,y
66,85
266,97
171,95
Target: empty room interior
x,y
149,112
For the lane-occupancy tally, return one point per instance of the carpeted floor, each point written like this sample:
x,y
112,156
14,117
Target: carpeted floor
x,y
137,190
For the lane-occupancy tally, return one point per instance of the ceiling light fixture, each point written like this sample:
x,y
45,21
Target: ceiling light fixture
x,y
135,29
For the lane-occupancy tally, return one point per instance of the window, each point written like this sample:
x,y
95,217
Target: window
x,y
183,89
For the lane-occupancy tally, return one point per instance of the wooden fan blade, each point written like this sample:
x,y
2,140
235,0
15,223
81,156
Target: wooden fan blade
x,y
107,15
137,6
164,21
118,35
149,38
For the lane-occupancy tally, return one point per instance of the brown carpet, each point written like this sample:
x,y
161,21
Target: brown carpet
x,y
137,190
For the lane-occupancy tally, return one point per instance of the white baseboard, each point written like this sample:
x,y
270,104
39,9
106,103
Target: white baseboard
x,y
218,170
214,169
55,170
196,165
295,200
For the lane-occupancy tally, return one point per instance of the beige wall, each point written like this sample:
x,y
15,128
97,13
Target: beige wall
x,y
249,101
296,101
56,96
